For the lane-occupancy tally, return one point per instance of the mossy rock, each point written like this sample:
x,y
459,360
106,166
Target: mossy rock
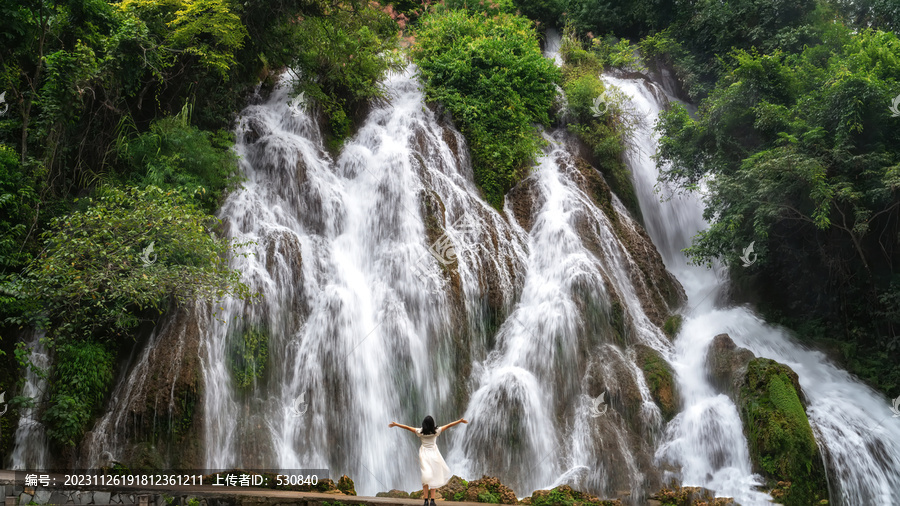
x,y
688,496
672,325
781,440
486,490
455,489
660,379
565,495
345,485
394,494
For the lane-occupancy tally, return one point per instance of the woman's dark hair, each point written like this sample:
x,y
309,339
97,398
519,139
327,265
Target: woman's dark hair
x,y
428,426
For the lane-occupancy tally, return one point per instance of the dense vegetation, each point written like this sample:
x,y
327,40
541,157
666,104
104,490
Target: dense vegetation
x,y
801,158
490,75
115,149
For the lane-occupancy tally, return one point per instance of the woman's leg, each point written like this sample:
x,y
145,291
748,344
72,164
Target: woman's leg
x,y
425,490
432,494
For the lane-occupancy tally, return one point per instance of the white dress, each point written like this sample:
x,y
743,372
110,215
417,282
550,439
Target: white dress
x,y
435,472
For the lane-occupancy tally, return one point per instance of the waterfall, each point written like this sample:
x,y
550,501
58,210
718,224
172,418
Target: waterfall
x,y
368,321
852,423
365,325
391,291
30,440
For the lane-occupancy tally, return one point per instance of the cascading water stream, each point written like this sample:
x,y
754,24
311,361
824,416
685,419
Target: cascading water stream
x,y
358,337
30,441
357,310
852,423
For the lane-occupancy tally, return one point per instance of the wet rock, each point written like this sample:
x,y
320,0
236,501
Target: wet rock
x,y
659,292
522,199
618,427
488,489
727,364
770,402
160,410
782,444
690,496
455,489
564,494
345,485
394,494
661,380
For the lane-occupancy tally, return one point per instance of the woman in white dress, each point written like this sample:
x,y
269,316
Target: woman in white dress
x,y
435,472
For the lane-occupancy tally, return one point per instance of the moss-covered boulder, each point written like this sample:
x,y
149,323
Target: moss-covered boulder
x,y
345,485
690,496
660,378
394,494
487,490
565,495
781,440
455,489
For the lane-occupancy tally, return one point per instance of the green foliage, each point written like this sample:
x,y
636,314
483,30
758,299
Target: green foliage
x,y
489,7
82,372
17,200
488,497
631,19
602,126
173,154
207,30
565,495
91,280
248,356
342,58
672,325
780,437
800,156
546,12
490,75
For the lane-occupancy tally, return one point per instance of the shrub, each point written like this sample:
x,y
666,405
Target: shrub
x,y
342,57
174,154
127,251
82,373
490,75
602,126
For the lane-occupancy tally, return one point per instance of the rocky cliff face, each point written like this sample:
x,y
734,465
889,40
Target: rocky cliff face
x,y
155,420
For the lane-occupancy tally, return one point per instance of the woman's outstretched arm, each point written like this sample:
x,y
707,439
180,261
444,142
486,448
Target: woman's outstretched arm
x,y
451,424
407,427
